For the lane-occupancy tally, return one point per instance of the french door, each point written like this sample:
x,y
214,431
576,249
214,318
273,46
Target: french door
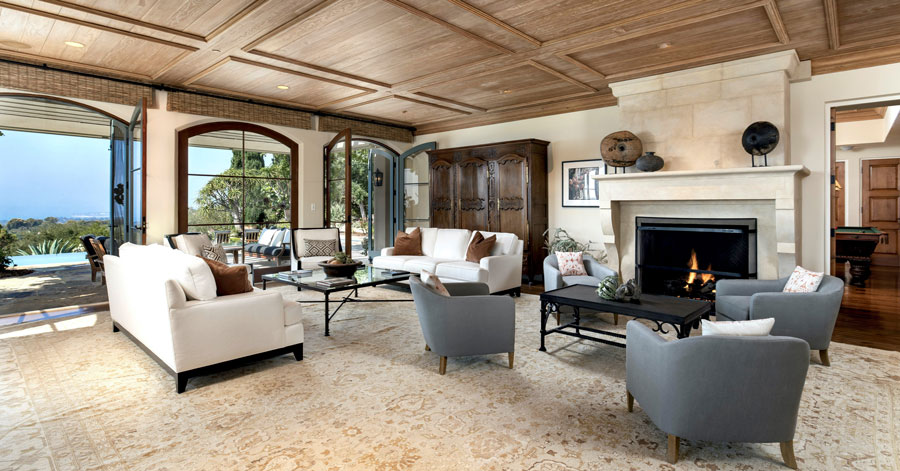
x,y
128,180
881,206
337,155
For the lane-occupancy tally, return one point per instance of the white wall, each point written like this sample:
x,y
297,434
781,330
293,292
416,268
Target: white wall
x,y
810,104
572,136
162,177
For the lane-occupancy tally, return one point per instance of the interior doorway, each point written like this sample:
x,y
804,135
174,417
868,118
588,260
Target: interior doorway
x,y
865,155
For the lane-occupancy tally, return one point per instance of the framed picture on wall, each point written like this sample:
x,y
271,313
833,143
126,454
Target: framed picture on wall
x,y
578,188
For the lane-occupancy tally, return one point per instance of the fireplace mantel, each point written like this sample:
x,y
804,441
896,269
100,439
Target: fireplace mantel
x,y
777,187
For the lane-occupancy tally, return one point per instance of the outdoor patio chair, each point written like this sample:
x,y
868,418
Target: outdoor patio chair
x,y
94,261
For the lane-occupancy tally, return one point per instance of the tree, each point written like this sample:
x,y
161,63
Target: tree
x,y
7,241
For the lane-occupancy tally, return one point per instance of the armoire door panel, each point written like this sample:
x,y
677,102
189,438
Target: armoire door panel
x,y
472,194
443,185
512,195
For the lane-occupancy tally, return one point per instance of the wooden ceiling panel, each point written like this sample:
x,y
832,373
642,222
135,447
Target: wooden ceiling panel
x,y
866,21
524,83
685,44
403,110
565,17
376,40
257,80
41,36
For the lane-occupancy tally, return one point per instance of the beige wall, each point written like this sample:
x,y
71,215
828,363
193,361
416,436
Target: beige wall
x,y
572,136
854,158
162,125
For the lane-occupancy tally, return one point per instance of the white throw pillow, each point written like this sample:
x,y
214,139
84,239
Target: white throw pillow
x,y
193,274
277,238
756,327
430,280
451,244
803,281
571,263
266,236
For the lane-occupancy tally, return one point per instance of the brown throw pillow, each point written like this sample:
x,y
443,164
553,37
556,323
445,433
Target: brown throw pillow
x,y
408,244
229,280
480,247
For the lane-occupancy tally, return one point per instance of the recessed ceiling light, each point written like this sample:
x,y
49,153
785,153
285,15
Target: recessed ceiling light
x,y
505,91
282,87
216,50
74,44
664,45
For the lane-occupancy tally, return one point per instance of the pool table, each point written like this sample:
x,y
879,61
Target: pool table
x,y
856,245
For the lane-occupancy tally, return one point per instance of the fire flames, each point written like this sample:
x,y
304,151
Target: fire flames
x,y
694,265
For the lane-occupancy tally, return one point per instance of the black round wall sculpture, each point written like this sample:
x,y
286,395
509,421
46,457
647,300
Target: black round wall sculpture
x,y
760,138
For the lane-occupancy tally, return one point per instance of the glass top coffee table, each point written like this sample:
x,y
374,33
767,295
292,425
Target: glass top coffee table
x,y
366,276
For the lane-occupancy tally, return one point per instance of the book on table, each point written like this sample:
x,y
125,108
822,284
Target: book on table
x,y
335,282
294,275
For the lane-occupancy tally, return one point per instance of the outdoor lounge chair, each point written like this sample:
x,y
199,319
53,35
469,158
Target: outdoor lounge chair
x,y
273,244
95,261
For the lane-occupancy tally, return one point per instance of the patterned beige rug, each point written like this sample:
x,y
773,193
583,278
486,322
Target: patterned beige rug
x,y
75,396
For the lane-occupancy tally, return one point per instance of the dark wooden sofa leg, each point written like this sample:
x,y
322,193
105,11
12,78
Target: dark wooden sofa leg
x,y
115,327
823,355
630,400
181,380
298,352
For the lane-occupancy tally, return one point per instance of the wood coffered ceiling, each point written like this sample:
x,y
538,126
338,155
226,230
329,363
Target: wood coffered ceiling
x,y
436,64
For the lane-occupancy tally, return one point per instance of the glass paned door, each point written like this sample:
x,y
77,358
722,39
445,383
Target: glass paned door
x,y
136,183
118,216
338,203
413,178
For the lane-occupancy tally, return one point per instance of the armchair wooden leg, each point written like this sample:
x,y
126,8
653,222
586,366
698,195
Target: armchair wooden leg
x,y
557,317
511,357
787,453
615,319
427,348
672,449
443,368
823,355
630,399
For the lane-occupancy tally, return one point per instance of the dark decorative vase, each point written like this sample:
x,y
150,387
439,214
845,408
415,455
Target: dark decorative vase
x,y
649,162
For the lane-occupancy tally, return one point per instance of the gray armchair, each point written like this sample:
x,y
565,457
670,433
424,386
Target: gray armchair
x,y
718,388
469,322
809,316
596,272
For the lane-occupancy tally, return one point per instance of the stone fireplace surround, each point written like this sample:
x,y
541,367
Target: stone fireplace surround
x,y
771,195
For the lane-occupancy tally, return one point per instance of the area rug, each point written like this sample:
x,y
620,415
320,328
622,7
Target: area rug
x,y
76,396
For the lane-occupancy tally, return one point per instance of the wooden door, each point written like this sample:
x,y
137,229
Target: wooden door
x,y
511,194
840,200
472,195
881,206
443,194
832,159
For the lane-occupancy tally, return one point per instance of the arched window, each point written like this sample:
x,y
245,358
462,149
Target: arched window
x,y
236,177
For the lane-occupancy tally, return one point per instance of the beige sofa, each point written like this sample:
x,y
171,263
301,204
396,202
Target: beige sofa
x,y
444,254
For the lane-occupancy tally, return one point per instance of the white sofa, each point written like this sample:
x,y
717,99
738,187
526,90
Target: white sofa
x,y
150,290
445,255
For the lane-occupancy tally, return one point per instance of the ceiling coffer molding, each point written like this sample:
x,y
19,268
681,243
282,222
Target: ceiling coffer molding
x,y
771,14
831,23
448,25
482,14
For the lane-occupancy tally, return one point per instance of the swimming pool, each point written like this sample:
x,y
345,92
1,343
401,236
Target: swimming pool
x,y
49,259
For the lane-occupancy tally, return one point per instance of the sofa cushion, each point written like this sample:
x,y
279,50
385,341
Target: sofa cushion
x,y
463,271
391,262
213,252
229,279
758,327
735,308
292,312
266,250
581,280
803,281
417,264
319,248
278,238
451,244
266,236
432,282
429,238
479,247
191,244
193,274
408,243
571,263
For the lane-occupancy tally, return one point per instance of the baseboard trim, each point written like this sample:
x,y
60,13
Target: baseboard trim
x,y
181,378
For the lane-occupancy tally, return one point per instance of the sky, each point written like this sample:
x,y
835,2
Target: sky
x,y
45,175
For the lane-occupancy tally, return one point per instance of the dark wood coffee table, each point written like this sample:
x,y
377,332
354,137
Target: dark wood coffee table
x,y
682,314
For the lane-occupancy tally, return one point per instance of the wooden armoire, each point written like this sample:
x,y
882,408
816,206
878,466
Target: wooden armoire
x,y
499,187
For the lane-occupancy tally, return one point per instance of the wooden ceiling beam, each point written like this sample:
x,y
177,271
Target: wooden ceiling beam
x,y
452,102
97,26
234,19
496,21
777,22
300,74
452,27
433,105
561,76
581,65
305,15
831,24
124,19
318,68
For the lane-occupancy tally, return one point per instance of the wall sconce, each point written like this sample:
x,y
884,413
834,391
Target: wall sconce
x,y
379,177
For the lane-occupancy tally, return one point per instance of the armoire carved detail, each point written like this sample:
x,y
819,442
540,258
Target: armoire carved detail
x,y
500,187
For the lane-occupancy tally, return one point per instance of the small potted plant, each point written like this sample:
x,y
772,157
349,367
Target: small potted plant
x,y
341,265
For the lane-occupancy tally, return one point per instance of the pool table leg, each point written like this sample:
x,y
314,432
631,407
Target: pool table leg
x,y
859,272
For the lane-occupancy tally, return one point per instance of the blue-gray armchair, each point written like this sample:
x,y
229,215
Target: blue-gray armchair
x,y
596,272
717,388
809,316
469,322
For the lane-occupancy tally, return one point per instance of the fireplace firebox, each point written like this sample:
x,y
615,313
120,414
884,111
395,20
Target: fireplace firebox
x,y
685,257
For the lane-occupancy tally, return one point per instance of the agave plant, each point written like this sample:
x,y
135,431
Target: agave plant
x,y
50,247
